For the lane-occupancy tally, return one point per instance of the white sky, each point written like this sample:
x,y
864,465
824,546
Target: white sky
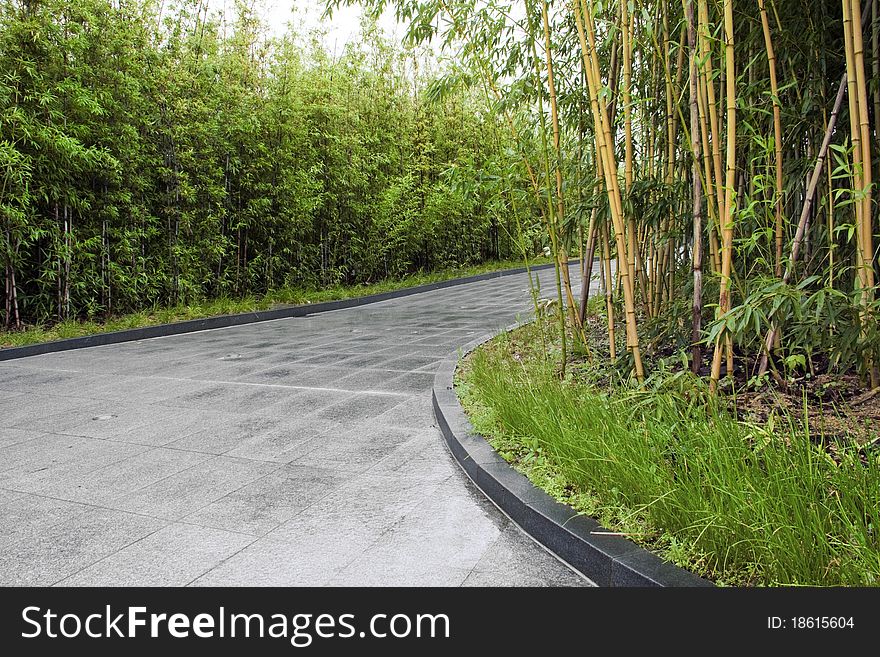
x,y
341,29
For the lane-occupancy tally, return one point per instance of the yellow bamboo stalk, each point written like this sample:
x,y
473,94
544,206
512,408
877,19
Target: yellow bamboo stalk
x,y
711,102
865,142
865,237
605,264
777,131
708,169
875,60
730,182
558,217
855,136
626,45
586,34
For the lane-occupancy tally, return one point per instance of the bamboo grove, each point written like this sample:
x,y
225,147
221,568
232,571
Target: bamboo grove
x,y
715,158
156,153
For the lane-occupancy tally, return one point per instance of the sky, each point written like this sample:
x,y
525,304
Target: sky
x,y
341,29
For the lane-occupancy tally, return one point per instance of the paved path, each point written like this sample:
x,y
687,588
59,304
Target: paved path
x,y
292,452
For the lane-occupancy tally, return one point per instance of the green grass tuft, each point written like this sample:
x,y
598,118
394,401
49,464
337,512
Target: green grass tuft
x,y
730,501
228,306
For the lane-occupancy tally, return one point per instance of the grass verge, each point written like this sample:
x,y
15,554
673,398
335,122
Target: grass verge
x,y
734,502
228,306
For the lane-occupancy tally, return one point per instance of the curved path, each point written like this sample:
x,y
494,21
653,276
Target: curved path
x,y
299,451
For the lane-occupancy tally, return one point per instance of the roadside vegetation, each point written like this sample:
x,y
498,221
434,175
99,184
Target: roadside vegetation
x,y
227,306
714,161
167,154
675,469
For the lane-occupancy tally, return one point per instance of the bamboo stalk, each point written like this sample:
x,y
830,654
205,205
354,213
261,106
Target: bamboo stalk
x,y
712,106
831,238
609,294
696,146
730,181
865,143
711,206
866,227
626,46
855,137
805,213
587,267
777,132
586,35
875,62
558,217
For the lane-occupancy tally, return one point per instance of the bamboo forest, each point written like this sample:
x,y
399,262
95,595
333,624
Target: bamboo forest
x,y
156,157
708,165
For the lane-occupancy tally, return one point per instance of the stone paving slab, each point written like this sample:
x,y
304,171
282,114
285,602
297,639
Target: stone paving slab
x,y
299,451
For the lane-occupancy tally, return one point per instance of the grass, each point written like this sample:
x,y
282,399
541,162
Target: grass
x,y
730,501
227,306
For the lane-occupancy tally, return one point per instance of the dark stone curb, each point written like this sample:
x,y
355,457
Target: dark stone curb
x,y
223,321
606,560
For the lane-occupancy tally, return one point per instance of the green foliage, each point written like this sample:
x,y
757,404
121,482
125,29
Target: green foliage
x,y
665,464
225,306
816,321
150,162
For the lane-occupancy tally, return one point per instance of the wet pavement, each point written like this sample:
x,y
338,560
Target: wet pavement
x,y
300,451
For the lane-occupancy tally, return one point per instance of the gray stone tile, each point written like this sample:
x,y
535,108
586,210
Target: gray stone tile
x,y
411,552
32,408
32,465
370,501
145,389
359,448
423,454
102,486
412,363
61,415
371,497
12,372
264,504
310,553
360,407
223,432
285,375
415,413
25,376
220,369
412,383
11,436
169,427
371,359
329,357
71,546
307,402
287,442
239,398
187,491
23,515
377,380
321,377
515,560
120,421
173,556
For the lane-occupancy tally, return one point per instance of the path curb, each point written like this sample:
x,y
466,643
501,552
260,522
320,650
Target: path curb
x,y
572,537
224,321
